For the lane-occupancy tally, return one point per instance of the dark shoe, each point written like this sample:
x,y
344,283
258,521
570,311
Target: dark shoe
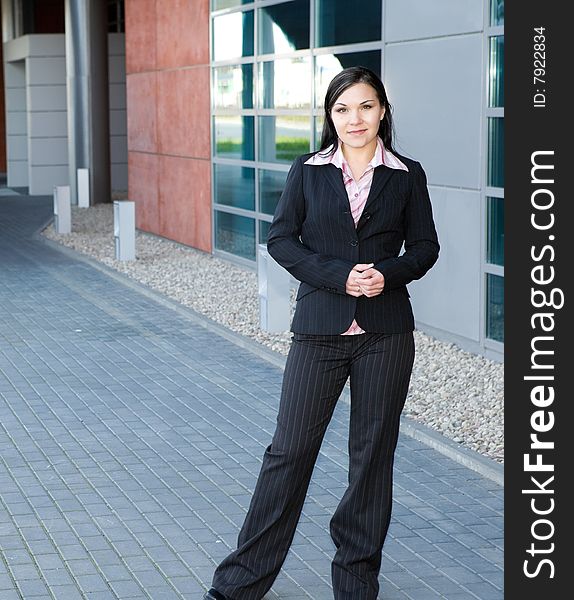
x,y
214,595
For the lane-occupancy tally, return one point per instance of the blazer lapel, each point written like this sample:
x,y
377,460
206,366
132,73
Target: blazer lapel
x,y
381,177
335,178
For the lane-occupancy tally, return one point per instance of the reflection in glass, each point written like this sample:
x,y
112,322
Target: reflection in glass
x,y
496,72
234,186
283,138
284,27
219,4
496,12
328,65
495,230
495,175
337,23
233,35
235,234
233,86
263,231
495,307
271,184
285,83
234,137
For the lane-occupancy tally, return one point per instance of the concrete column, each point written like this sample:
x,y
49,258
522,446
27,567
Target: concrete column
x,y
87,89
8,19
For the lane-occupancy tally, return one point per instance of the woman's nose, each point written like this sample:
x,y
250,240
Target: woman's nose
x,y
354,116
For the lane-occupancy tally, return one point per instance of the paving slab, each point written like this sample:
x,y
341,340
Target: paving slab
x,y
131,436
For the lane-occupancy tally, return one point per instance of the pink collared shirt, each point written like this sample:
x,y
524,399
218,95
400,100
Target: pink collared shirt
x,y
357,191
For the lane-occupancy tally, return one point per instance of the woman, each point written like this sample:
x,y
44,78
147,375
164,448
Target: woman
x,y
339,227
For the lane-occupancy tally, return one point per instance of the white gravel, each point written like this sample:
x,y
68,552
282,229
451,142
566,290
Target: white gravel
x,y
452,391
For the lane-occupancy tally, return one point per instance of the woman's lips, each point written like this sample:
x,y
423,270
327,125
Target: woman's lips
x,y
357,132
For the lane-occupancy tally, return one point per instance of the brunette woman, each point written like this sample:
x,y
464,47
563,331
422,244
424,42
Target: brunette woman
x,y
346,213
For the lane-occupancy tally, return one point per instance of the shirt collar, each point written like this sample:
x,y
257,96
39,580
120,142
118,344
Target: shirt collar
x,y
382,157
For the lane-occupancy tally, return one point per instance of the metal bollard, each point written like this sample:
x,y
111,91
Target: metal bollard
x,y
274,289
62,209
83,188
125,229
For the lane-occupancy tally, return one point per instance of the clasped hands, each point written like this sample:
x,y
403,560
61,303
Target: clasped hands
x,y
363,280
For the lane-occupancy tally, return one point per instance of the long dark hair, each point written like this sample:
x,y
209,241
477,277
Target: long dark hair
x,y
341,82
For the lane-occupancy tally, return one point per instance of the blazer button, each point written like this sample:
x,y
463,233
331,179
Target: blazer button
x,y
354,243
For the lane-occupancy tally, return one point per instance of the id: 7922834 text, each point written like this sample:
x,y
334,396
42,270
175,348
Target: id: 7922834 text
x,y
539,67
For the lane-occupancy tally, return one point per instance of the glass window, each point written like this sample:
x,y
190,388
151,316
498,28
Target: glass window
x,y
234,137
318,131
116,17
283,138
328,65
495,307
496,12
233,86
271,184
495,175
337,23
233,35
235,234
234,186
284,27
495,229
219,4
496,72
263,231
276,89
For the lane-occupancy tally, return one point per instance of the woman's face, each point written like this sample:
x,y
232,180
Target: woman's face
x,y
356,115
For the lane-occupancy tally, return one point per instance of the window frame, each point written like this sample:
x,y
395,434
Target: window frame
x,y
493,348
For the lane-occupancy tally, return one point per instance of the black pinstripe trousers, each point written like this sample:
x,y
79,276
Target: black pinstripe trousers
x,y
379,367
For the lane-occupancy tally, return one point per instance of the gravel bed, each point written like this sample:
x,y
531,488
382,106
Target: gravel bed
x,y
452,391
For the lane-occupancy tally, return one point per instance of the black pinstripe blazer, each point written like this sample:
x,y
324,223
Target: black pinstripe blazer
x,y
314,237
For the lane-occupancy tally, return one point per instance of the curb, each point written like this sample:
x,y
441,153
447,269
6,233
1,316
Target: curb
x,y
471,459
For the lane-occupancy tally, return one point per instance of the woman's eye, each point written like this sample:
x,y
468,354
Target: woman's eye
x,y
367,106
341,110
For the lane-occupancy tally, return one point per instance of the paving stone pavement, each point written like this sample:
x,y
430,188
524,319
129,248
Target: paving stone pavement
x,y
131,438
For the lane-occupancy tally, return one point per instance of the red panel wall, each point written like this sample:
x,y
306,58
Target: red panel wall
x,y
167,63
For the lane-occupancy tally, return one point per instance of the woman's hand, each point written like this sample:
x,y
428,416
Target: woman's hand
x,y
363,280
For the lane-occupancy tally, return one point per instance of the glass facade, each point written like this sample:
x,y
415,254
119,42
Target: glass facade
x,y
494,196
271,64
233,86
495,152
337,24
496,71
235,234
495,231
233,35
234,186
495,303
276,77
234,137
496,12
271,184
283,27
283,138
